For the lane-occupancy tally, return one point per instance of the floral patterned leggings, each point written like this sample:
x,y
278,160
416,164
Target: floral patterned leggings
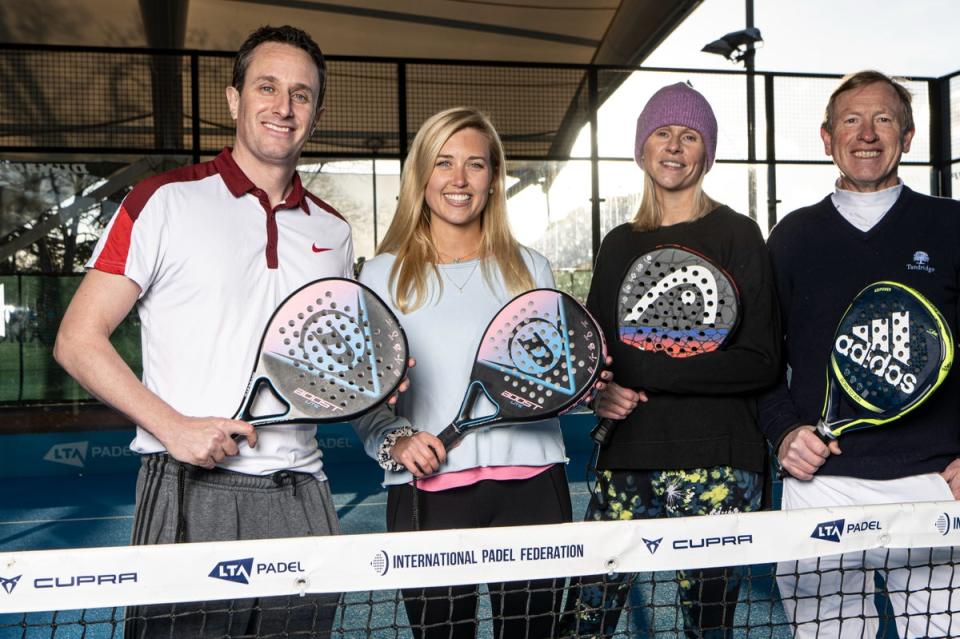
x,y
708,597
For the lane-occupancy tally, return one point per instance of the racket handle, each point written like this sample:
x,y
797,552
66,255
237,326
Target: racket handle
x,y
824,433
449,436
601,432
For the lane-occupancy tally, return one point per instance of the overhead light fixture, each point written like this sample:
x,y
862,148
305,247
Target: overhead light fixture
x,y
734,46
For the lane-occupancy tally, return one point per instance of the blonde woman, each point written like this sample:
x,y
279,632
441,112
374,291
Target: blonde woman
x,y
686,440
446,265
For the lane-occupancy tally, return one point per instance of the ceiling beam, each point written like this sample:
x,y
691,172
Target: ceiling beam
x,y
636,30
433,21
164,23
639,27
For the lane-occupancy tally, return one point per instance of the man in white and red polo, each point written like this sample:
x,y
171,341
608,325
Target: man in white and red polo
x,y
206,253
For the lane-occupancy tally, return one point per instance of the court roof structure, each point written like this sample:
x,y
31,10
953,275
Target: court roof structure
x,y
567,31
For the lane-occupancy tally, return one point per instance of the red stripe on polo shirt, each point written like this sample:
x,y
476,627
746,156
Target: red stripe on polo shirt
x,y
323,205
113,257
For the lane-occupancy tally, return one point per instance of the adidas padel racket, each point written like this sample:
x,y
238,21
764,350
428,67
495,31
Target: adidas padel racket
x,y
331,351
538,357
892,349
675,301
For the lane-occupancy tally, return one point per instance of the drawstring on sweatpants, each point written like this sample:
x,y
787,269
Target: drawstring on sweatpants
x,y
181,533
282,477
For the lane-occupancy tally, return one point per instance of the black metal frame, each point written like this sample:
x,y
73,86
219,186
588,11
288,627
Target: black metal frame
x,y
941,155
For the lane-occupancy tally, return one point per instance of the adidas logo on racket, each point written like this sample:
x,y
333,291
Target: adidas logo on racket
x,y
891,351
883,348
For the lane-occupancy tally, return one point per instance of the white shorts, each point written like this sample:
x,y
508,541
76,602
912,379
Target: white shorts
x,y
833,596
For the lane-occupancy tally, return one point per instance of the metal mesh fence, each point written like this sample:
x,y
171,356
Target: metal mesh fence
x,y
537,110
94,99
101,100
78,127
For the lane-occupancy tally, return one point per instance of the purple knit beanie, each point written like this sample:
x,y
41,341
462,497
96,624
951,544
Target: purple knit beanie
x,y
680,105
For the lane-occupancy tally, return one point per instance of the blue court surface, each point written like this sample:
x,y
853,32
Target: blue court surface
x,y
76,489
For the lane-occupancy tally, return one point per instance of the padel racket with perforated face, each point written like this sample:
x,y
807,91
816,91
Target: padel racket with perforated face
x,y
891,351
538,357
331,351
674,301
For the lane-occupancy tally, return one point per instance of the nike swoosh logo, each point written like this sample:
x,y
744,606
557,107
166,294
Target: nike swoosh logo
x,y
317,249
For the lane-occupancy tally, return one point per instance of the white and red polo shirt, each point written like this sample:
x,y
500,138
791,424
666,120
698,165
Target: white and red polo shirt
x,y
213,260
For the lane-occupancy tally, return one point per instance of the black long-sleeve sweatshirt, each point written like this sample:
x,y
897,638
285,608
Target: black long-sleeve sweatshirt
x,y
702,409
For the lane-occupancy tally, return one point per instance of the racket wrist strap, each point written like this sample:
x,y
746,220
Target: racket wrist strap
x,y
384,452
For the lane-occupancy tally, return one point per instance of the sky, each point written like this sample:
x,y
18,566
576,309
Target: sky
x,y
901,37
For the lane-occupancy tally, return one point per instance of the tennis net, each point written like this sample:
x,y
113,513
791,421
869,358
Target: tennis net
x,y
617,579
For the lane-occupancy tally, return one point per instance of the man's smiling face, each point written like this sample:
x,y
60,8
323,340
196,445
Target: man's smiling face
x,y
866,138
276,108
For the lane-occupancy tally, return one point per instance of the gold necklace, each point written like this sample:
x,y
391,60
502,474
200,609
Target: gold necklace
x,y
460,287
456,260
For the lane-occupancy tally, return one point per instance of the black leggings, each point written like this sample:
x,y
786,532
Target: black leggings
x,y
521,610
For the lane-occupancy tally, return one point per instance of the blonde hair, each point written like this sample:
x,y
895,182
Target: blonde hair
x,y
408,237
650,216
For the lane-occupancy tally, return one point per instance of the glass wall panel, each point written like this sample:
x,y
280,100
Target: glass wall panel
x,y
798,109
917,178
799,105
621,188
954,114
549,208
52,212
350,186
803,185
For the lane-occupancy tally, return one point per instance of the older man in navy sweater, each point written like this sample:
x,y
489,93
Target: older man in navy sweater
x,y
871,228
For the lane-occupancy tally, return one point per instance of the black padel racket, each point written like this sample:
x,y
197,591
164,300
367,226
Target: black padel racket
x,y
892,349
675,301
331,351
538,357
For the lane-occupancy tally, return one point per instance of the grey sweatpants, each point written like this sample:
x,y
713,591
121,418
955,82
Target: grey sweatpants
x,y
178,500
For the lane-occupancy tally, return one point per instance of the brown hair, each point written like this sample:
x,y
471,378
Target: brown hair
x,y
862,79
284,35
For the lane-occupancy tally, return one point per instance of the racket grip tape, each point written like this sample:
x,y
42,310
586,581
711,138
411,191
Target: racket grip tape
x,y
449,436
601,432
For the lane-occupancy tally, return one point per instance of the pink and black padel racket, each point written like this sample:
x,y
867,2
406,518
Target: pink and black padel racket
x,y
674,301
331,351
538,357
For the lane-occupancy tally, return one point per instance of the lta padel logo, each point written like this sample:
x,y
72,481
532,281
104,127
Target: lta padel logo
x,y
883,348
829,530
236,570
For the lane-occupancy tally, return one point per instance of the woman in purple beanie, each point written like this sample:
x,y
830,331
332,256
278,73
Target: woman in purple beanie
x,y
685,440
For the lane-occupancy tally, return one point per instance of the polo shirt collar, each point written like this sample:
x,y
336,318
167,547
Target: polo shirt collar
x,y
239,184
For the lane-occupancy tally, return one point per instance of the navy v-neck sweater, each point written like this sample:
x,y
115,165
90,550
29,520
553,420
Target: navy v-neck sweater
x,y
820,263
